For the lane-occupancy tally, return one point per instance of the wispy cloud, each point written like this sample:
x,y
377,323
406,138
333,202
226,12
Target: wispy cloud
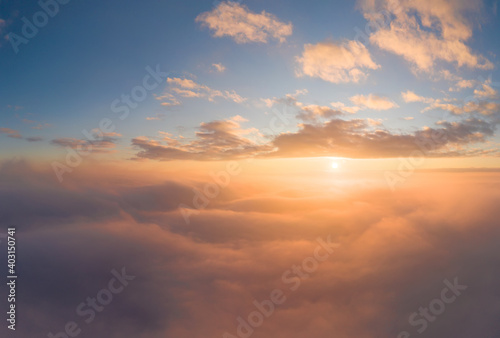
x,y
16,135
157,117
219,67
34,139
11,133
167,99
188,88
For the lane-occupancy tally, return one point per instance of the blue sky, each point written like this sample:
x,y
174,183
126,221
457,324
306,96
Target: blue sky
x,y
90,53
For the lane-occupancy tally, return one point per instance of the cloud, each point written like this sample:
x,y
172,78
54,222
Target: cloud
x,y
425,32
486,91
38,124
373,102
396,248
410,96
15,134
185,83
237,21
343,107
69,142
439,104
482,107
356,139
42,126
290,99
231,95
463,84
103,145
337,63
313,112
34,139
157,117
11,133
190,89
219,67
15,107
216,140
167,100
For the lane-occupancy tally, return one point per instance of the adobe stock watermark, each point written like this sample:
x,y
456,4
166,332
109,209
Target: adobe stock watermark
x,y
123,106
293,278
87,310
30,28
426,315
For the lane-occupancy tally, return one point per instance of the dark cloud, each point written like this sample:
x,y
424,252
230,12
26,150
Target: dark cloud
x,y
34,139
103,144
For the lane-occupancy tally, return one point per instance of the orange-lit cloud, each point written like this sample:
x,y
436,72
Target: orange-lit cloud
x,y
237,21
481,107
395,249
425,32
190,89
372,101
219,67
410,96
486,91
216,140
356,138
336,62
343,107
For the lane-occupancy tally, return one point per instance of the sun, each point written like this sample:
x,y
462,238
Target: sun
x,y
335,165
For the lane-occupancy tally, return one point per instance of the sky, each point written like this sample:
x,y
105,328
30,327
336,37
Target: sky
x,y
365,79
250,168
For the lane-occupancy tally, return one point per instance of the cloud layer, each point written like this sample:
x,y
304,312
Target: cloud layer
x,y
395,251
